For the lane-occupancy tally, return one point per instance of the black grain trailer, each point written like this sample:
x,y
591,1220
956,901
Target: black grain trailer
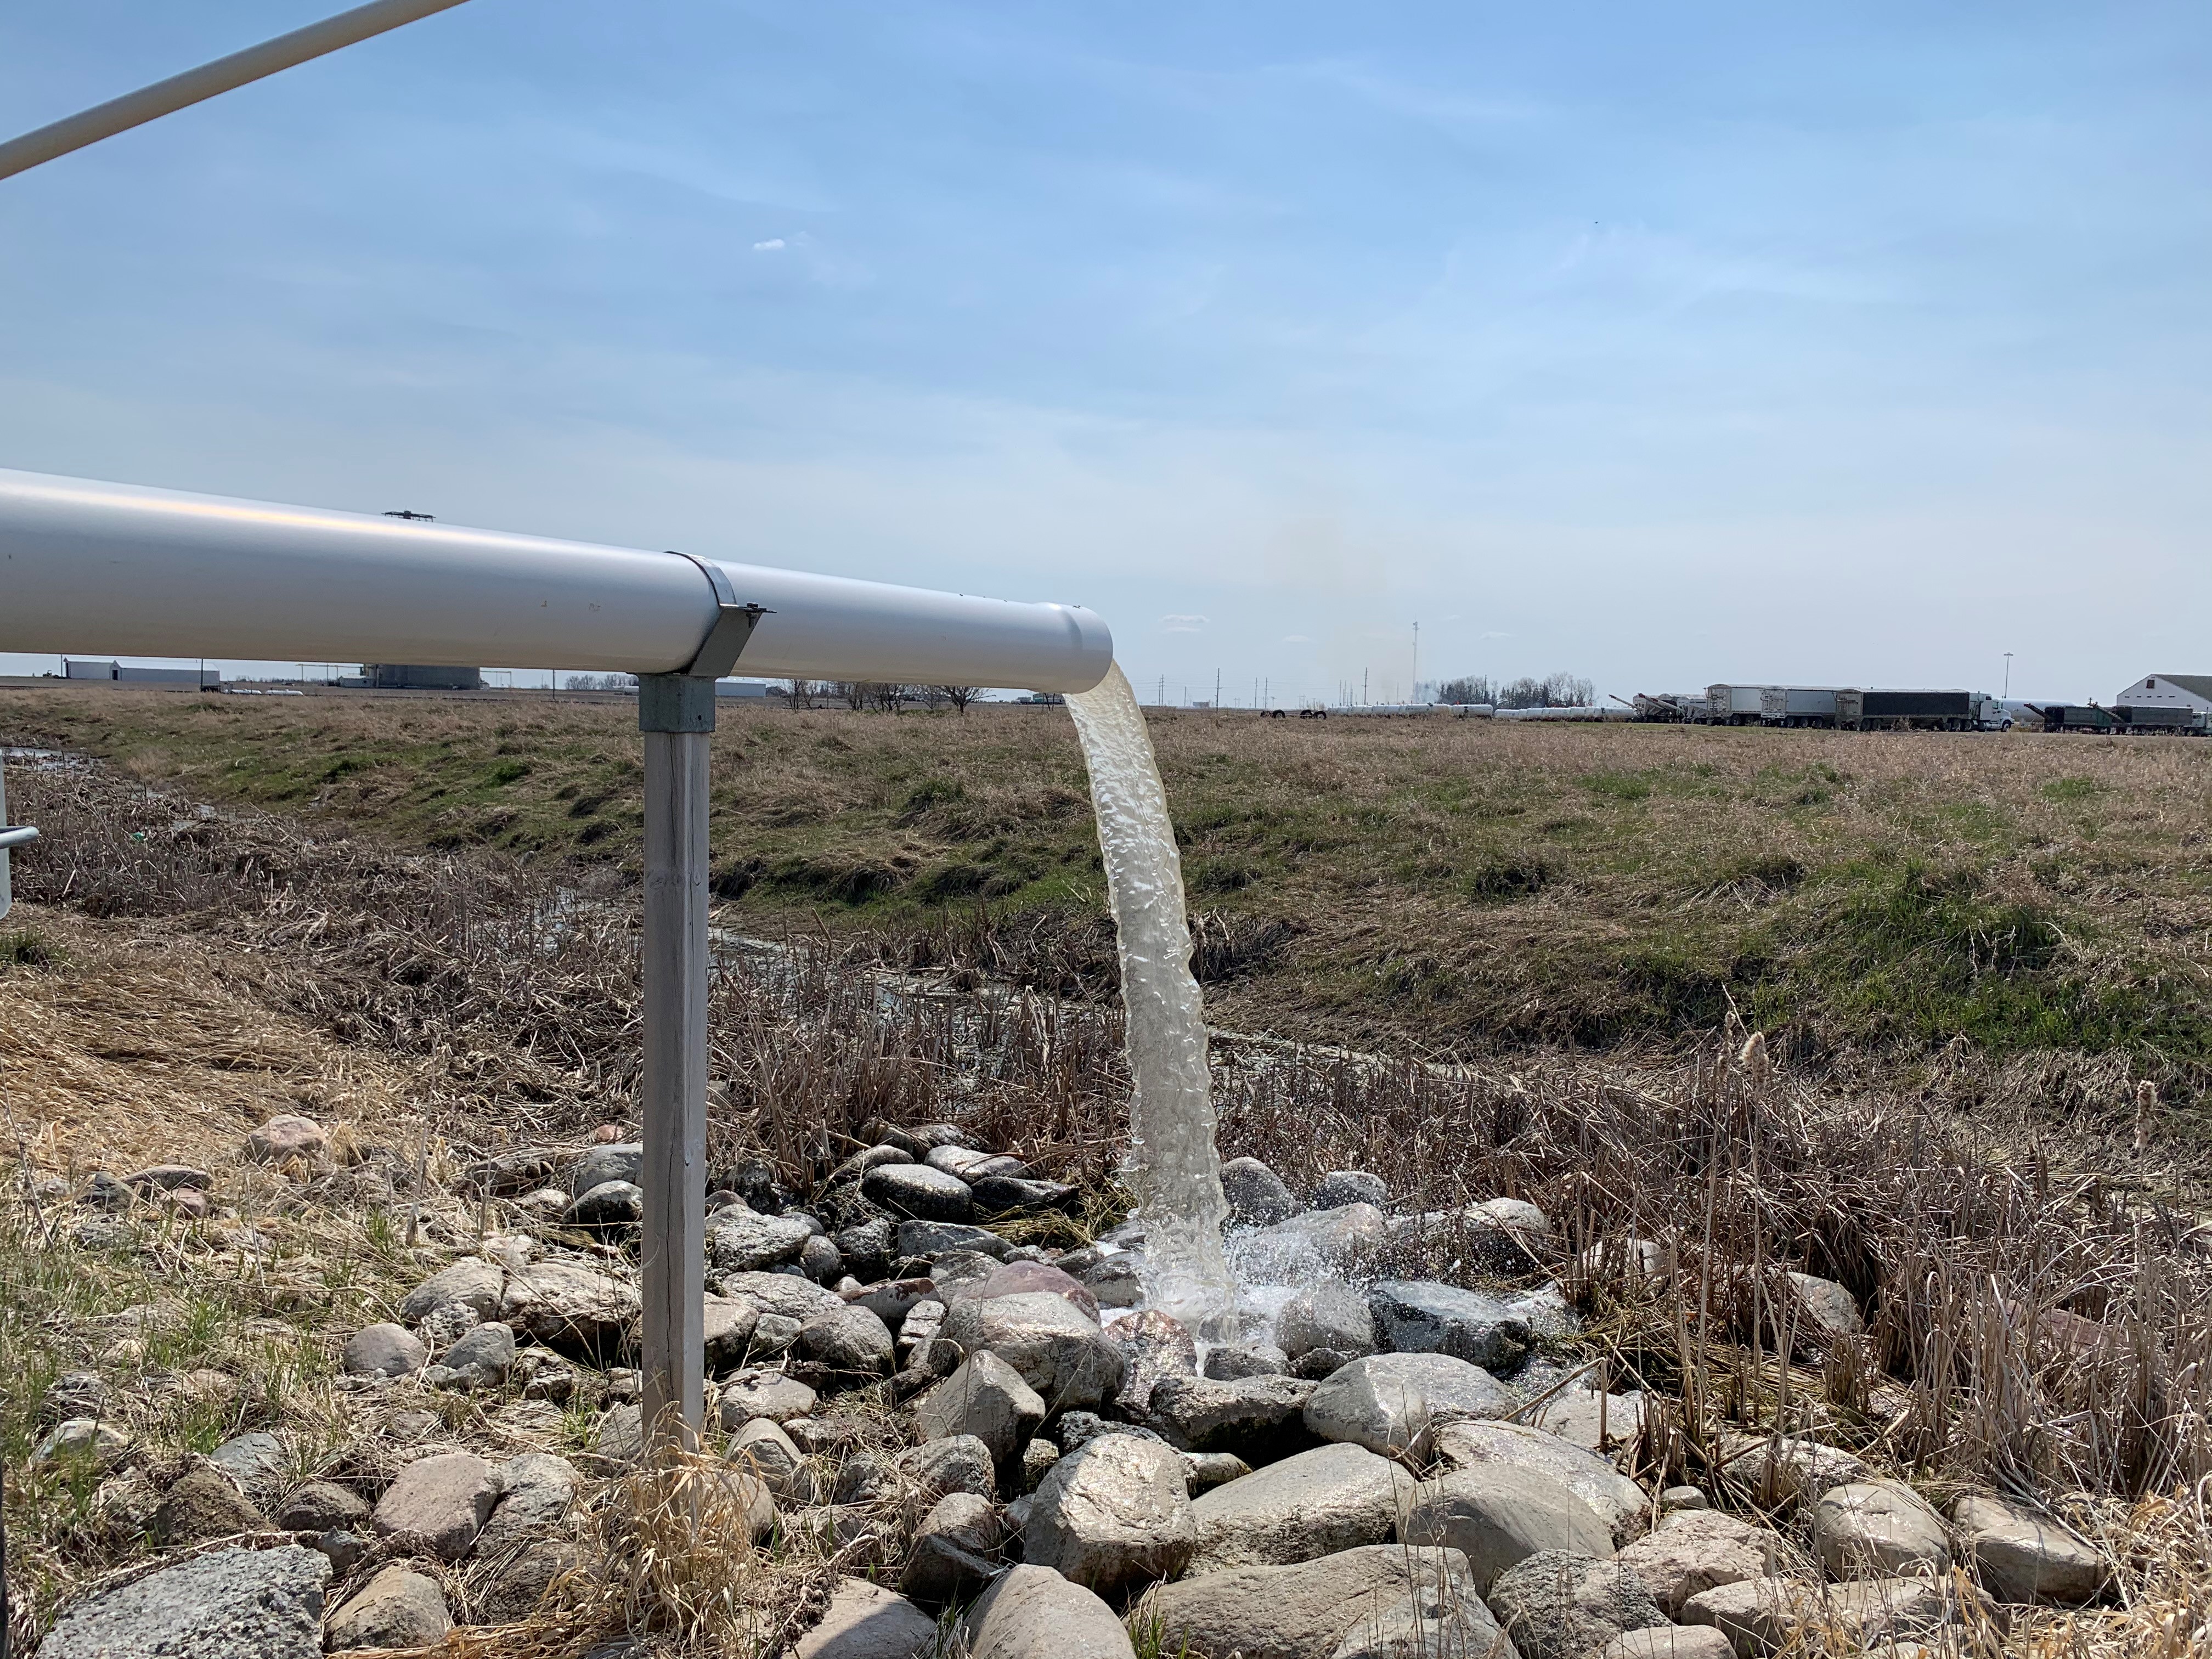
x,y
1876,710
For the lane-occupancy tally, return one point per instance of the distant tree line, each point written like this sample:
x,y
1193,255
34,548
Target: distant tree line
x,y
1553,692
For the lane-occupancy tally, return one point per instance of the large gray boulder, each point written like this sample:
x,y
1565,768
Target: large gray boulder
x,y
1558,1605
1155,1346
765,1394
1066,1357
916,1191
1032,1613
1699,1550
1329,1315
1258,1417
1454,1389
253,1604
786,1294
1256,1194
1341,1187
473,1283
1311,1610
621,1161
438,1504
1306,1249
959,1463
955,1549
1498,1514
1424,1316
739,1240
848,1339
1612,1496
985,1397
1361,1406
867,1621
1879,1528
926,1240
399,1607
2023,1556
1113,1517
1318,1503
567,1305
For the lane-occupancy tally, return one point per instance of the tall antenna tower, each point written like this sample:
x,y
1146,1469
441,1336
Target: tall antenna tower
x,y
1414,696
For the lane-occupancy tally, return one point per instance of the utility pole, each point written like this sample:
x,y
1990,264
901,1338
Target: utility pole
x,y
1161,701
1414,695
1363,688
2007,680
1217,690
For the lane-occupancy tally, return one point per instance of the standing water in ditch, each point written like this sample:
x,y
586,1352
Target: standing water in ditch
x,y
1173,1170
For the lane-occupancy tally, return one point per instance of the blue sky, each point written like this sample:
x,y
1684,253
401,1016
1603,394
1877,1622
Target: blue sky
x,y
1662,344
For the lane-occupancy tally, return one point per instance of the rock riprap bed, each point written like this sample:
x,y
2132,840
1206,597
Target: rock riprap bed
x,y
932,1422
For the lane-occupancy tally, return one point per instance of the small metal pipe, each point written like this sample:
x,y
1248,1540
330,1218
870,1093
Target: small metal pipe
x,y
676,712
135,109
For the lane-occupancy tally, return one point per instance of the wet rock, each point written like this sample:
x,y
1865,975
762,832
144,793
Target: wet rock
x,y
763,1394
867,1621
867,1248
1317,1503
1256,1194
917,1191
1116,1278
1079,1429
1113,1515
2026,1557
1556,1604
955,1549
787,1294
1424,1316
960,1462
203,1504
997,1194
1877,1528
398,1607
1699,1550
819,1260
473,1283
438,1504
986,1398
1498,1515
1260,1418
958,1272
535,1490
1309,1249
569,1307
1329,1315
1614,1498
1360,1405
1319,1364
618,1161
322,1506
285,1137
1032,1613
384,1350
923,1241
740,1240
481,1359
1310,1610
1341,1187
609,1204
1059,1353
848,1339
1155,1346
1233,1360
254,1604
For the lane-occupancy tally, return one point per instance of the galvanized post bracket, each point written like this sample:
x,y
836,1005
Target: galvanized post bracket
x,y
717,653
684,701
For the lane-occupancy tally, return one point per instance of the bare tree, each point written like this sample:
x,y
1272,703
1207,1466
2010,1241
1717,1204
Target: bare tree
x,y
855,692
959,696
802,693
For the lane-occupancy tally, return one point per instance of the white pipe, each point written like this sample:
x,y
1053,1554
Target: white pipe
x,y
135,109
118,569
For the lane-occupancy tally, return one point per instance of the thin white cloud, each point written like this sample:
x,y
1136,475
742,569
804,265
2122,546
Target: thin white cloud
x,y
1494,634
774,245
1174,624
1296,639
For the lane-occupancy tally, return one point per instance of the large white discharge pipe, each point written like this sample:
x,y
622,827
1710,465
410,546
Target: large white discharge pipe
x,y
118,569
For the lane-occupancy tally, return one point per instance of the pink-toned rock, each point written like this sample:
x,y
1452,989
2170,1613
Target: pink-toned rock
x,y
286,1137
1020,1278
440,1504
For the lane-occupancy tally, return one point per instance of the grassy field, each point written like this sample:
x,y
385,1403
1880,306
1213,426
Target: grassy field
x,y
1465,886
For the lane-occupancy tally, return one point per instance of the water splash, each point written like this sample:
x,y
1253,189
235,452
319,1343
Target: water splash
x,y
1173,1167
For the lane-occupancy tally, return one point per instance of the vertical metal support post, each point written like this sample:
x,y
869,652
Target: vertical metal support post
x,y
676,713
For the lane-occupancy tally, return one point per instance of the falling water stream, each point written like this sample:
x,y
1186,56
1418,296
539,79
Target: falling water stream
x,y
1173,1170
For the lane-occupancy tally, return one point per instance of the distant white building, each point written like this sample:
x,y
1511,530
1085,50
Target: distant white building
x,y
2190,692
